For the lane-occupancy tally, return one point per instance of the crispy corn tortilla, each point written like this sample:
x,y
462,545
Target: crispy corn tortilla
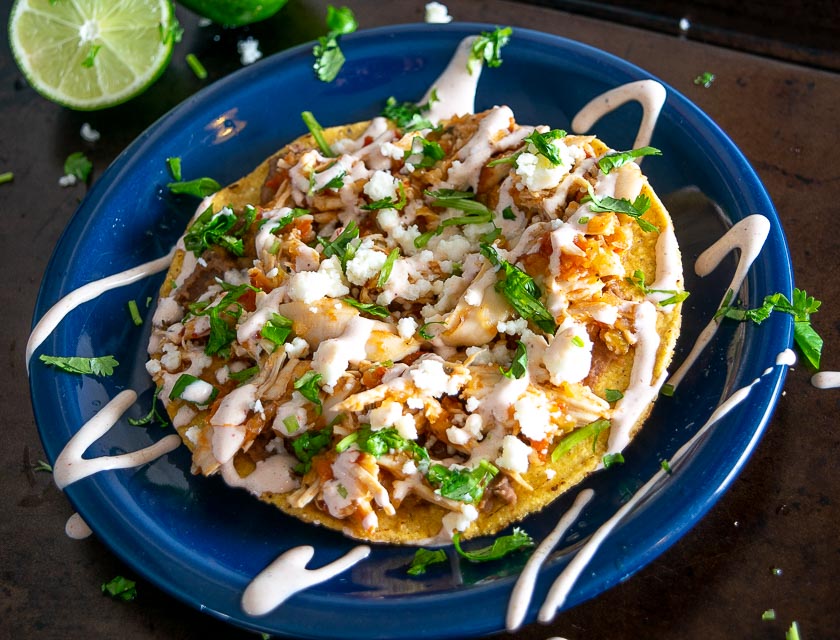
x,y
418,519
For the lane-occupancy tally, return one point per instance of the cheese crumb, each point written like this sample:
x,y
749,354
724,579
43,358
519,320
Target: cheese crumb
x,y
406,327
437,13
514,455
249,51
382,185
88,133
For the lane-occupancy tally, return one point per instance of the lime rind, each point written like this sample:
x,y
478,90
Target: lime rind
x,y
50,42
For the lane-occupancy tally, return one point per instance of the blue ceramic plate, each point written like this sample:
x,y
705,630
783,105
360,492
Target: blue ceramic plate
x,y
203,542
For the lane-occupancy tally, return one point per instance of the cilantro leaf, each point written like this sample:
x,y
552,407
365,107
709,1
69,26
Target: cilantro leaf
x,y
464,485
285,220
501,546
424,333
42,466
542,143
635,209
277,329
810,343
423,558
378,443
520,362
614,160
223,317
328,55
96,366
200,187
387,202
317,132
387,267
593,430
705,79
487,48
521,292
120,588
77,164
638,280
508,214
153,416
213,229
174,164
477,213
611,459
613,395
376,310
308,445
430,150
308,386
243,376
406,115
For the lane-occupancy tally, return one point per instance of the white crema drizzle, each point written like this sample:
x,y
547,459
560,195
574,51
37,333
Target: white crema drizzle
x,y
71,466
826,379
51,319
77,528
288,574
748,236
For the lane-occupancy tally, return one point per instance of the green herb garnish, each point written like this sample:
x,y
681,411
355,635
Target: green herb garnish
x,y
378,443
501,546
195,65
464,201
591,430
134,312
464,485
308,445
508,214
768,615
291,423
520,362
705,79
611,459
666,466
387,267
77,164
407,115
614,160
243,376
43,467
317,132
635,209
213,229
423,558
487,48
423,331
200,187
6,176
521,292
793,632
431,151
376,310
120,588
328,55
341,246
542,143
174,165
308,386
667,390
223,317
96,366
806,338
638,280
387,202
153,415
277,329
613,395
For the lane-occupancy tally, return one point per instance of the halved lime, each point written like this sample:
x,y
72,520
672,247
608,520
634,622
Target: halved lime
x,y
91,54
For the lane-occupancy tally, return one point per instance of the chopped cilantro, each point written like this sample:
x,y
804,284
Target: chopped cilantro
x,y
591,430
635,209
502,546
336,182
42,466
341,246
223,317
387,202
174,165
542,143
387,267
424,333
77,164
806,338
184,381
328,55
667,390
285,220
613,395
614,160
464,485
291,423
508,214
195,65
519,365
342,490
308,445
768,615
407,115
487,48
705,79
277,329
666,466
97,366
6,176
464,201
611,459
521,292
153,415
430,150
511,159
120,588
308,386
200,187
423,558
376,310
638,280
378,443
578,341
317,132
243,376
491,236
793,632
213,229
134,312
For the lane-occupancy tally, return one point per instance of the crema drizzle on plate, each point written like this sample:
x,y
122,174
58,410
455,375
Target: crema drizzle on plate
x,y
288,574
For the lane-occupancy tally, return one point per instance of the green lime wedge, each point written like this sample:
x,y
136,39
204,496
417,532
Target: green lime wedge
x,y
92,54
234,13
